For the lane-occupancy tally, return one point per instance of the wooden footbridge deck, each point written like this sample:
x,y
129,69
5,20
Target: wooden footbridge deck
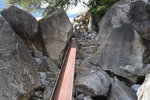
x,y
64,86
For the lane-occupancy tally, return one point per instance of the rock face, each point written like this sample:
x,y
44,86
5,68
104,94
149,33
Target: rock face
x,y
121,50
144,91
18,74
120,91
93,82
55,31
141,17
23,23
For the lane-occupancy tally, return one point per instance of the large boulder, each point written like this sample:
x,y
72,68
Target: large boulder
x,y
141,17
121,49
92,82
18,75
23,23
120,91
55,31
144,91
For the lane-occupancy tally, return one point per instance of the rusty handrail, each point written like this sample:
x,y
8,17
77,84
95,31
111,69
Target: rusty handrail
x,y
64,86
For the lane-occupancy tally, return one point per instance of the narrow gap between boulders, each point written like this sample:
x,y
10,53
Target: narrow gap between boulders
x,y
99,98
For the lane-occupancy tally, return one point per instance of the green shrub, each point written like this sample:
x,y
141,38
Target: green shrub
x,y
98,8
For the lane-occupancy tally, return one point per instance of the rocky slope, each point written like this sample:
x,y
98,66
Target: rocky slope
x,y
110,65
122,52
31,53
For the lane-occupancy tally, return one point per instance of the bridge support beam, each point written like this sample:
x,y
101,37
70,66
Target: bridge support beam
x,y
64,86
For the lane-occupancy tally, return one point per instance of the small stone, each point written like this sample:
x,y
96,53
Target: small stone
x,y
80,97
135,87
87,98
42,75
75,93
37,54
48,92
43,78
37,61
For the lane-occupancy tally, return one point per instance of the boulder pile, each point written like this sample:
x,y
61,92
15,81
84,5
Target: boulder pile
x,y
31,53
117,69
112,64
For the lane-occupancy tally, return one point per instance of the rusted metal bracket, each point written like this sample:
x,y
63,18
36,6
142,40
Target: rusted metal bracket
x,y
64,86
